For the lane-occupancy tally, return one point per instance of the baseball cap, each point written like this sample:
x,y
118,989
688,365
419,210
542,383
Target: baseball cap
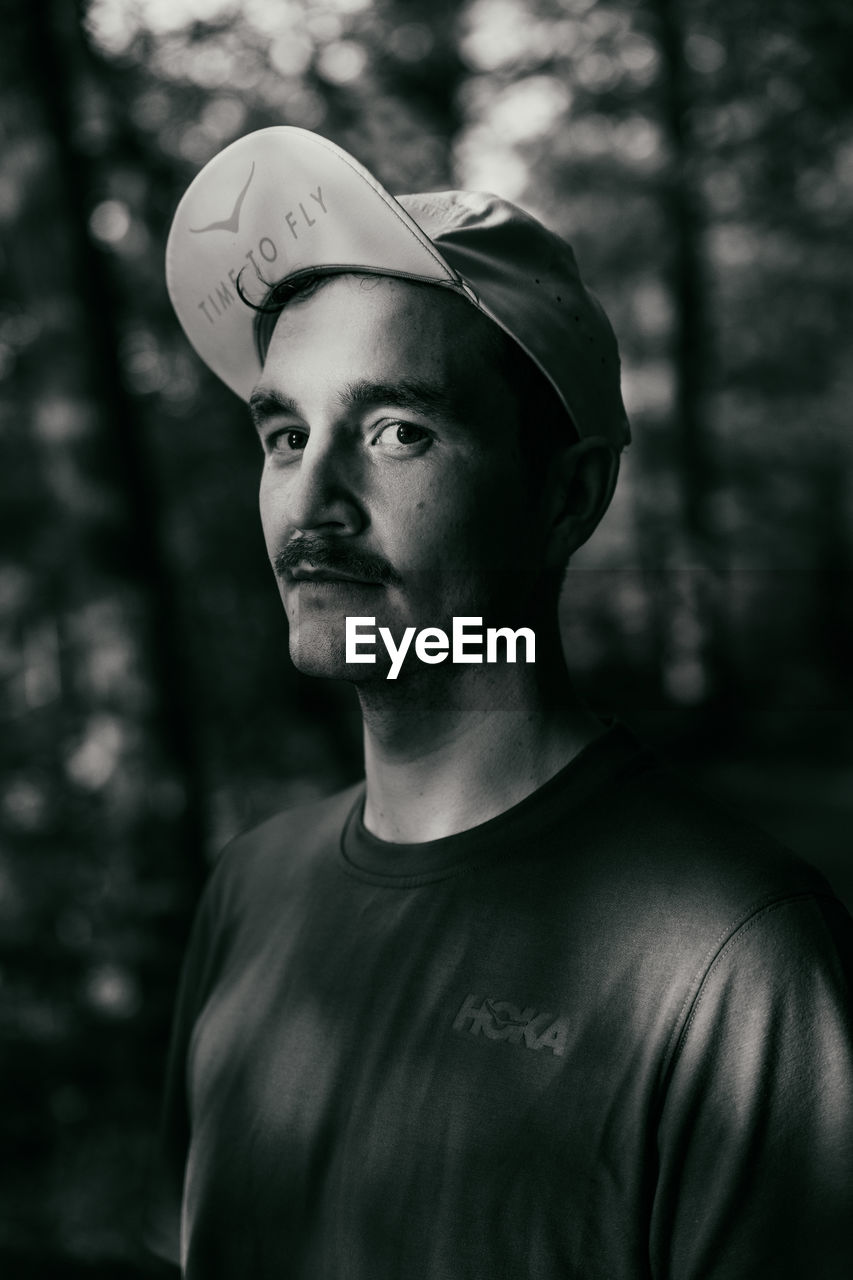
x,y
284,202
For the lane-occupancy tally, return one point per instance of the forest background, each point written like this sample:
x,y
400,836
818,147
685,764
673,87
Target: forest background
x,y
699,156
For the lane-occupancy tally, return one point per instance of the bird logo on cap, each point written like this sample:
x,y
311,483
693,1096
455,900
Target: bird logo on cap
x,y
233,223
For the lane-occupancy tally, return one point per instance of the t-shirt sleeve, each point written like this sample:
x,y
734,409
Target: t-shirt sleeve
x,y
162,1220
755,1142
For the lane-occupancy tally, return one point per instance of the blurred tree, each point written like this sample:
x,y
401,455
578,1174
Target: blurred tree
x,y
101,800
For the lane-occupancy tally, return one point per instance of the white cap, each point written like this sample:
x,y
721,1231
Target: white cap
x,y
283,202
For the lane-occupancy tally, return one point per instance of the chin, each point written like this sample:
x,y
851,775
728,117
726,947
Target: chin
x,y
318,650
317,623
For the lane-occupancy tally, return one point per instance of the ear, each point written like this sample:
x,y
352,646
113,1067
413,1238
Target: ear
x,y
580,484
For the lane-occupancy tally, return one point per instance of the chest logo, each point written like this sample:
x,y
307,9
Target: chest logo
x,y
500,1020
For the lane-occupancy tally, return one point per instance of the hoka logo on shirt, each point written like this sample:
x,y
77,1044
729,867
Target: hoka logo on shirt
x,y
500,1020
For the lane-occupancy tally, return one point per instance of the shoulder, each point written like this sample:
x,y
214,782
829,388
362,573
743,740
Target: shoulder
x,y
281,853
672,883
681,847
310,825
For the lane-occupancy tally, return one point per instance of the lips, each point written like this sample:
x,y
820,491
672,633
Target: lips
x,y
306,573
314,559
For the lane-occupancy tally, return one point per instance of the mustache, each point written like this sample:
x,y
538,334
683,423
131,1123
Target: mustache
x,y
333,555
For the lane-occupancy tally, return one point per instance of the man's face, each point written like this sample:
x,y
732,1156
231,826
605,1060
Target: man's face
x,y
394,485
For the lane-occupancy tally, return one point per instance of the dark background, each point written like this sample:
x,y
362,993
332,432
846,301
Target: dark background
x,y
699,156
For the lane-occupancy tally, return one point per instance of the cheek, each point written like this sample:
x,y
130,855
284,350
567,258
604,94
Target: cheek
x,y
498,515
270,506
460,526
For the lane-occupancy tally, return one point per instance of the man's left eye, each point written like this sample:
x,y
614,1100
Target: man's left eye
x,y
401,434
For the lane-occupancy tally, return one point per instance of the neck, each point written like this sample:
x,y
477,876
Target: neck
x,y
445,752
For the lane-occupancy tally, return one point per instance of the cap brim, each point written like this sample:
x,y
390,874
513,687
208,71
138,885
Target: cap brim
x,y
273,204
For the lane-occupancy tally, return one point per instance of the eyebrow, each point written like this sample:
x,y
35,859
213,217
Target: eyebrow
x,y
264,403
408,393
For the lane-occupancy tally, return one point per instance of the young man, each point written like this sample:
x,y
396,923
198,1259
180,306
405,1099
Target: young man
x,y
518,1005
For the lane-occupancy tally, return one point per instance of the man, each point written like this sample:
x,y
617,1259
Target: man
x,y
519,1005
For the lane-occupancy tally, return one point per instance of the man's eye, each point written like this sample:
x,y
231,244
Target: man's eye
x,y
291,440
406,433
401,434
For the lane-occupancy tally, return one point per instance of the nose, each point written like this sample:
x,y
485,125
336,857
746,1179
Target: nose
x,y
322,488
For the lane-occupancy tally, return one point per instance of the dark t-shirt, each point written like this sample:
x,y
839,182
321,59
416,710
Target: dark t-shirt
x,y
606,1034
